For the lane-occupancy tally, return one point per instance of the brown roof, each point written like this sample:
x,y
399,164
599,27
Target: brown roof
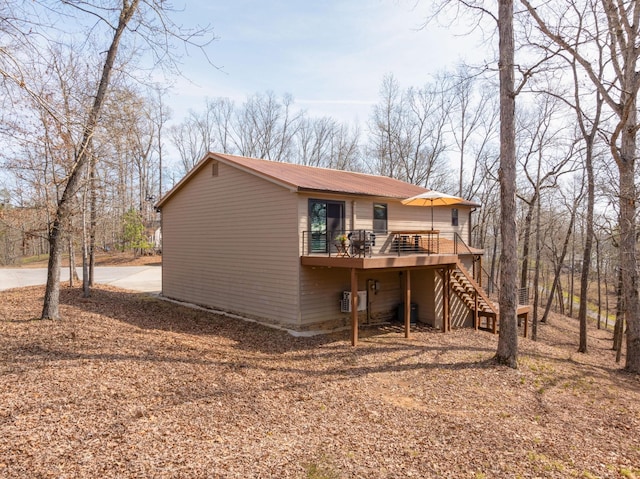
x,y
310,178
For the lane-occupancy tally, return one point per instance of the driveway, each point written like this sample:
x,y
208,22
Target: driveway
x,y
137,278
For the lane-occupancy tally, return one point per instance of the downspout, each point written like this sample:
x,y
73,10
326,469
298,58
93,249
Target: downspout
x,y
159,211
477,272
353,215
471,211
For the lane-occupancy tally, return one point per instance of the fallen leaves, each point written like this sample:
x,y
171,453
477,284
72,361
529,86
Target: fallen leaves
x,y
129,386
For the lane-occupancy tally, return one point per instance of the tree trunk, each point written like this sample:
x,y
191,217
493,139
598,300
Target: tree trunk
x,y
586,255
507,351
86,290
617,336
628,262
536,275
73,275
599,281
606,297
560,298
51,309
617,327
93,221
556,286
528,219
570,296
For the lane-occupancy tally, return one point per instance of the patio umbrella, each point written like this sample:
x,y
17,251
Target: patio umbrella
x,y
432,198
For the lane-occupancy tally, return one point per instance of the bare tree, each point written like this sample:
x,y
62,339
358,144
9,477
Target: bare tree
x,y
586,102
212,129
190,142
407,134
345,149
265,127
589,130
326,143
51,299
544,157
473,116
572,206
385,128
118,18
221,110
619,34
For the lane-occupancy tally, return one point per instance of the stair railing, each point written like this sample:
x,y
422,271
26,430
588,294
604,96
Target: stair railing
x,y
463,248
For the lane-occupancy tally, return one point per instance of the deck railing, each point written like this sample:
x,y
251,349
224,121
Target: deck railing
x,y
341,243
367,243
523,295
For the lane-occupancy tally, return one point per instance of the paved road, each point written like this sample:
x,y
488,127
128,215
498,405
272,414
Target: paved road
x,y
137,278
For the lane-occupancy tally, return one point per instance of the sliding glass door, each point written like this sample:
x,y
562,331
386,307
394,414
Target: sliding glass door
x,y
326,220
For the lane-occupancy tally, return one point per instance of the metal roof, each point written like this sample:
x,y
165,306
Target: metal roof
x,y
311,179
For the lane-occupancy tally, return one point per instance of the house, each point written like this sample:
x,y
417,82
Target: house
x,y
314,250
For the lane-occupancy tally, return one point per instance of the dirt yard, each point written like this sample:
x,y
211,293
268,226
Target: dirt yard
x,y
130,386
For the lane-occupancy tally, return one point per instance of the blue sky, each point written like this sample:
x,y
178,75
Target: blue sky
x,y
330,55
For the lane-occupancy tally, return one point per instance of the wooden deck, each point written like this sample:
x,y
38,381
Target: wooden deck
x,y
414,250
380,261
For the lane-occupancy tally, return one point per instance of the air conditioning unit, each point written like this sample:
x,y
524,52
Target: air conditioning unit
x,y
345,302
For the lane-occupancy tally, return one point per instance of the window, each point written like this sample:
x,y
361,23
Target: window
x,y
380,217
454,216
214,168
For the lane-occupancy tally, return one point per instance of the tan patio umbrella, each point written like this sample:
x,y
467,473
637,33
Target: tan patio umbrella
x,y
432,198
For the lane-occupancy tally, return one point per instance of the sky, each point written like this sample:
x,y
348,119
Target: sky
x,y
330,55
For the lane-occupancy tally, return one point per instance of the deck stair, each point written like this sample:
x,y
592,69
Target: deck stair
x,y
473,296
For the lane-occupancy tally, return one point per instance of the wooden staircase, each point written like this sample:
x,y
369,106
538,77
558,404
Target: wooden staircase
x,y
474,297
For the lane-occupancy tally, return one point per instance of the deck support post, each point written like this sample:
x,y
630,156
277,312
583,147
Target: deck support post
x,y
354,307
476,317
407,303
446,297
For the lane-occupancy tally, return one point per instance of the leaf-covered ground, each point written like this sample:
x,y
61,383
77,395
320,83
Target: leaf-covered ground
x,y
131,386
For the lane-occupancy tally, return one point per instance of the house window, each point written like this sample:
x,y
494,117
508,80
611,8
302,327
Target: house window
x,y
454,216
380,217
214,168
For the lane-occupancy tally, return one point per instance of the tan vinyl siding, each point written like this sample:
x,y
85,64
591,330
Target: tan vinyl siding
x,y
321,290
359,215
401,217
320,293
364,214
383,304
229,242
424,295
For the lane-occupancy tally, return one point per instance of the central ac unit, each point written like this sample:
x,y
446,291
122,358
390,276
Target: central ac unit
x,y
345,302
